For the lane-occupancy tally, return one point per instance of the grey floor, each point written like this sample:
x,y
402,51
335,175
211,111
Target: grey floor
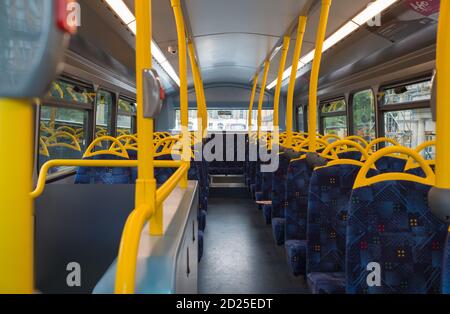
x,y
240,254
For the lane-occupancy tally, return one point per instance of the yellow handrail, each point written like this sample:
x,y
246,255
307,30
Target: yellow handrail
x,y
332,149
276,102
262,94
411,164
181,34
197,86
126,274
362,180
90,153
43,173
291,89
443,96
252,100
16,212
380,140
314,81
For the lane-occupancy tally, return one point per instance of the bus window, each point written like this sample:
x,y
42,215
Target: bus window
x,y
407,93
407,114
104,111
126,118
364,114
62,135
227,120
300,119
411,127
63,130
334,118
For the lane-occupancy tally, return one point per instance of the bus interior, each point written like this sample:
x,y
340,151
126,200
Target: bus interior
x,y
224,147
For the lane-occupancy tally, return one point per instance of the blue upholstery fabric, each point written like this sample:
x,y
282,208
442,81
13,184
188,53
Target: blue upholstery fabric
x,y
267,212
297,186
390,224
103,175
278,229
390,164
329,197
446,270
350,155
327,283
279,181
266,186
200,245
296,256
202,220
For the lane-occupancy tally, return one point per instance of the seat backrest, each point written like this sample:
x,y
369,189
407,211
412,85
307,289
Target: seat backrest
x,y
354,155
390,164
446,270
297,186
328,201
279,181
103,175
391,224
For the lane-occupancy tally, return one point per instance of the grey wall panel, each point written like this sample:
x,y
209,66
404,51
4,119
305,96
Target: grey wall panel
x,y
82,224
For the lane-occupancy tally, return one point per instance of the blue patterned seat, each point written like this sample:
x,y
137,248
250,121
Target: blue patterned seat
x,y
326,283
277,210
390,224
296,256
200,245
297,186
446,270
329,197
103,175
390,164
354,155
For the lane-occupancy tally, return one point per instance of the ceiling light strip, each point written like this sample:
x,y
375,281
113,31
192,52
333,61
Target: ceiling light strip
x,y
351,26
128,18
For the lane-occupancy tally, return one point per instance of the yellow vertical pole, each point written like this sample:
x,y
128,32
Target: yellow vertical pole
x,y
16,209
198,93
443,96
204,107
276,104
314,81
262,94
146,183
291,89
252,101
184,106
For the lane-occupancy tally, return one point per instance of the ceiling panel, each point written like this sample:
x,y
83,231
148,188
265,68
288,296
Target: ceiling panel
x,y
237,34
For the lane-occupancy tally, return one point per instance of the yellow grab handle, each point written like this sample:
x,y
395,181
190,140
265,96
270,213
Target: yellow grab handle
x,y
411,164
380,140
357,138
332,149
123,152
362,180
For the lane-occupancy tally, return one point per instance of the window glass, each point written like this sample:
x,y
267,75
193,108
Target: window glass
x,y
364,114
62,134
411,128
104,111
127,107
301,119
335,125
335,106
408,93
124,125
60,90
227,120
